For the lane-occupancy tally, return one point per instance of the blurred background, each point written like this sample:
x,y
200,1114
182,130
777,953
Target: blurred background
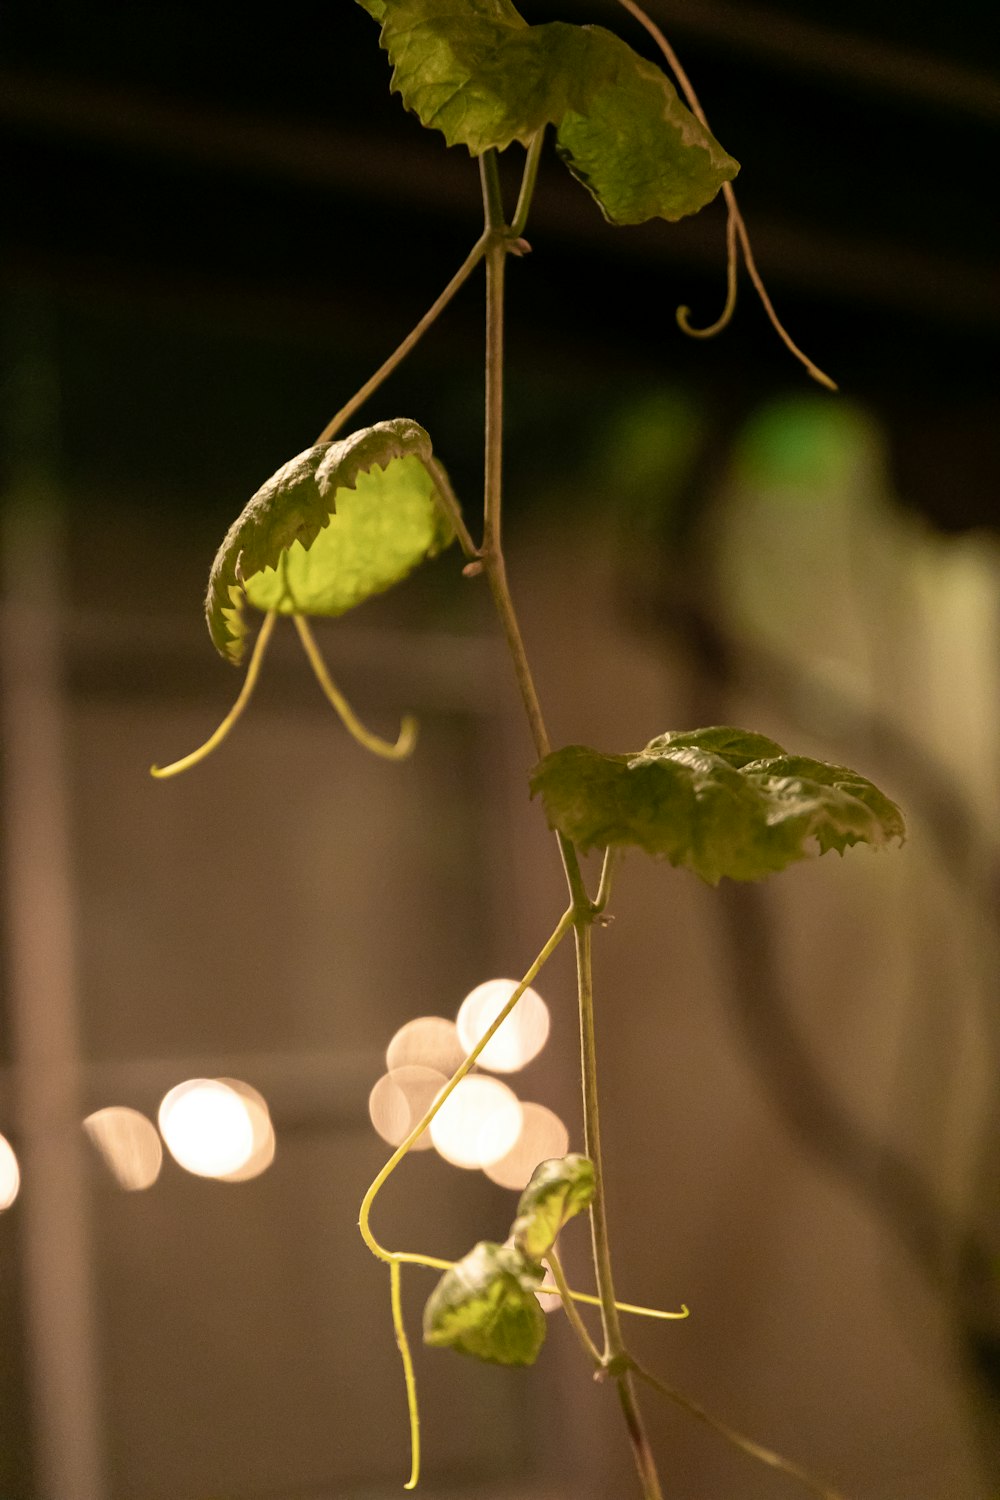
x,y
216,225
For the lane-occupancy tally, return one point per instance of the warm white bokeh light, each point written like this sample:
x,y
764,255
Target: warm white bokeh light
x,y
207,1127
10,1174
478,1123
128,1144
264,1142
521,1037
427,1042
542,1136
400,1100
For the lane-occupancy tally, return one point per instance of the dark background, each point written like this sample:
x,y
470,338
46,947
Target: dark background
x,y
194,156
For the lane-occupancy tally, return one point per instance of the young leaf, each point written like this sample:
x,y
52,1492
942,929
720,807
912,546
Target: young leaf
x,y
558,1190
486,1306
475,70
333,526
710,801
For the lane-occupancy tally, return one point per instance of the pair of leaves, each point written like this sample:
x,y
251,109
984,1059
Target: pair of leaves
x,y
475,70
718,801
486,1305
336,524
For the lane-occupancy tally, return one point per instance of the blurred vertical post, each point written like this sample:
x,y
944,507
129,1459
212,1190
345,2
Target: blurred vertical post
x,y
57,1274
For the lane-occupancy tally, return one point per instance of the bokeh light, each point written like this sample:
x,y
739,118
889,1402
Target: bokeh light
x,y
264,1142
207,1127
521,1037
542,1136
427,1042
128,1144
400,1099
478,1123
10,1174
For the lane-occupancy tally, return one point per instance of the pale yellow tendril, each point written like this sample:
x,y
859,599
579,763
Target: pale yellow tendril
x,y
407,737
403,1344
246,691
396,1258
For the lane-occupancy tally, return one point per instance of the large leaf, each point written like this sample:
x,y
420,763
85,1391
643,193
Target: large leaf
x,y
559,1189
633,144
475,70
486,1306
333,526
718,801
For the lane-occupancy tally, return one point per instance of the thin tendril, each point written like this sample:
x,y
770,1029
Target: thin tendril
x,y
732,267
403,1344
631,1307
779,328
744,1444
435,1263
408,729
564,925
735,217
245,694
384,370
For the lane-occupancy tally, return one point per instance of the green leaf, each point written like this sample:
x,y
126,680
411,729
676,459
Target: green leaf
x,y
486,1306
333,526
718,801
635,147
475,70
558,1190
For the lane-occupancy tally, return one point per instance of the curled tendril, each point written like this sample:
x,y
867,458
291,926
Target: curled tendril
x,y
732,267
736,228
389,750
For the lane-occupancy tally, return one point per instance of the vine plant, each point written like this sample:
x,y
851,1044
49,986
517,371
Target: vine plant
x,y
353,515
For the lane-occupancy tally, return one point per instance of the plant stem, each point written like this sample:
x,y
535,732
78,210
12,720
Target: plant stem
x,y
496,260
582,911
643,1454
496,576
492,550
614,1346
616,1359
383,372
